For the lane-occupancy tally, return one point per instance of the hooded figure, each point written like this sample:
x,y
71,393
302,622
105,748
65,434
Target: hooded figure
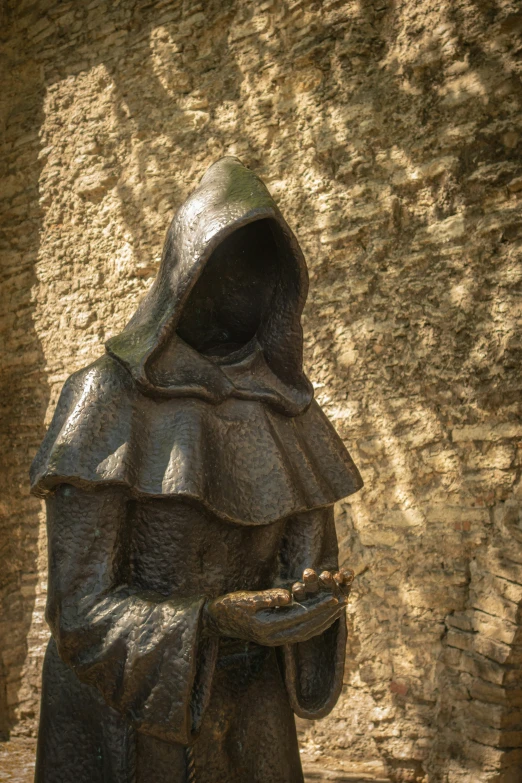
x,y
190,478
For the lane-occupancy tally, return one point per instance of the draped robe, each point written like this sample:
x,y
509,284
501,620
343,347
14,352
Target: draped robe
x,y
165,491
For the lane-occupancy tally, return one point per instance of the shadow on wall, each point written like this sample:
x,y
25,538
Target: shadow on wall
x,y
23,386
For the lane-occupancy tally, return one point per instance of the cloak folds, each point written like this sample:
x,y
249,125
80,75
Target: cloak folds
x,y
188,462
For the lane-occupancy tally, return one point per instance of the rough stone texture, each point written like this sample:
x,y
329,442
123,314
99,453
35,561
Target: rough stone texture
x,y
17,760
390,133
24,389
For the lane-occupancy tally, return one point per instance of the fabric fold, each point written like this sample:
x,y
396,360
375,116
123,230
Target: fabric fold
x,y
313,672
143,651
229,198
240,459
313,669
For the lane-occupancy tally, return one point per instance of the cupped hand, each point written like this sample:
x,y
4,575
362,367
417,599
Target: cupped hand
x,y
271,617
338,583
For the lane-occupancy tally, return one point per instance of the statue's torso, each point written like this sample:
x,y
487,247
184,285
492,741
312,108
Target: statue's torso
x,y
176,547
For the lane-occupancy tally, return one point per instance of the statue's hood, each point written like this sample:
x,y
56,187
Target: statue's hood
x,y
242,436
228,198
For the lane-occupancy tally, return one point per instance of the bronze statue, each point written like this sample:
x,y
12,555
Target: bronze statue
x,y
195,601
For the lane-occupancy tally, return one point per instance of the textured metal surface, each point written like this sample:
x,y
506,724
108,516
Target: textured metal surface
x,y
184,447
17,766
194,598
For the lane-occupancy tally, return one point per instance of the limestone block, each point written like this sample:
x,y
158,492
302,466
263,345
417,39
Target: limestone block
x,y
495,694
491,432
495,715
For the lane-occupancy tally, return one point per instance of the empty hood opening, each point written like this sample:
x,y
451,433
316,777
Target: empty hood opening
x,y
232,296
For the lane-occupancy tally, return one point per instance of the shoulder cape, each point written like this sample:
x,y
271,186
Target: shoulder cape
x,y
242,460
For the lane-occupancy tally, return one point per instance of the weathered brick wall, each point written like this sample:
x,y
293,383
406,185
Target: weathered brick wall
x,y
390,133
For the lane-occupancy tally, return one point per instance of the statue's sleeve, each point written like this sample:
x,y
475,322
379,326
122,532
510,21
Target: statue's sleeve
x,y
313,670
144,651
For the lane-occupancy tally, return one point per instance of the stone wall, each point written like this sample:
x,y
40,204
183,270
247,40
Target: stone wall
x,y
24,388
390,133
